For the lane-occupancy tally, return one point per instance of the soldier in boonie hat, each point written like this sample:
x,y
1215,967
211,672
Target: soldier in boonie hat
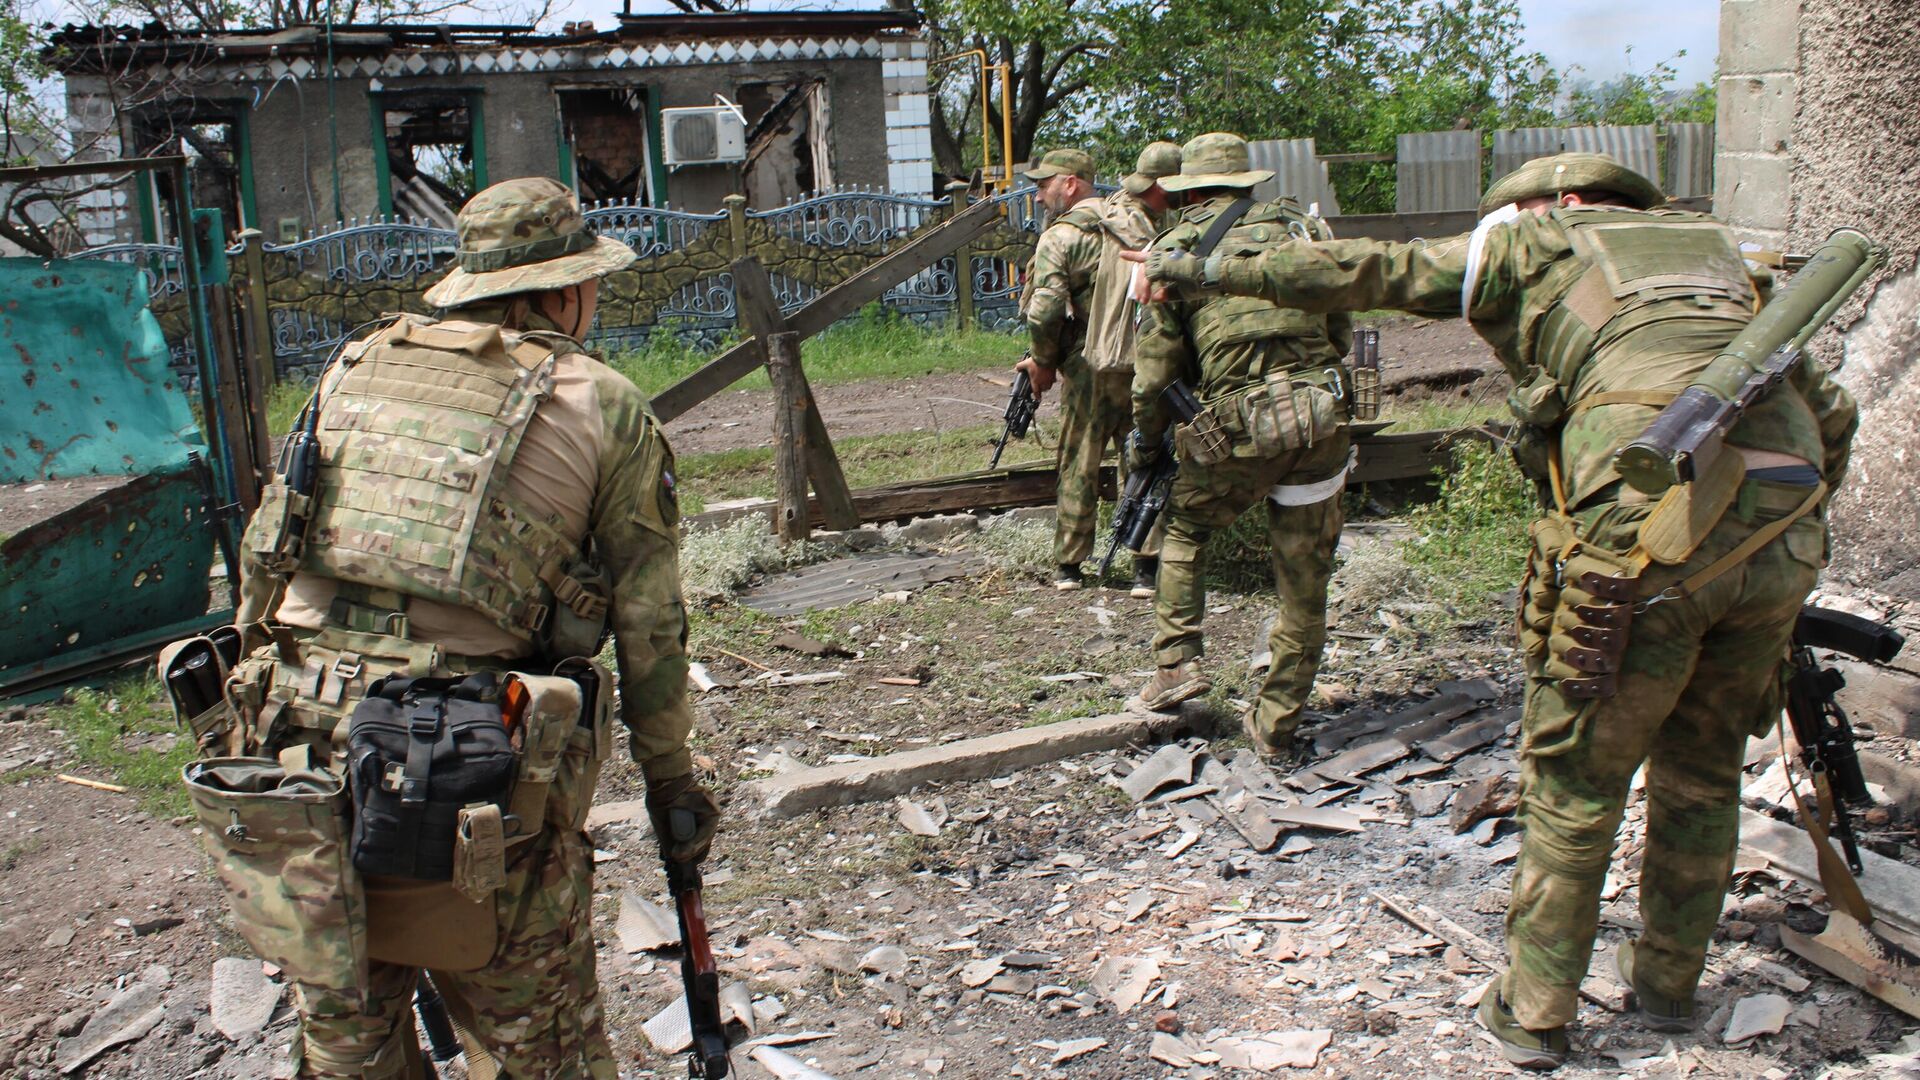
x,y
524,235
1216,159
1158,160
1551,177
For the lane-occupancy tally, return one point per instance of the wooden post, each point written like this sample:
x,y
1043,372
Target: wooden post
x,y
737,225
791,519
258,322
962,263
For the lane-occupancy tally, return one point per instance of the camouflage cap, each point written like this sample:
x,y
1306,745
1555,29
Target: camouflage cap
x,y
1157,160
1559,173
524,235
1216,159
1062,162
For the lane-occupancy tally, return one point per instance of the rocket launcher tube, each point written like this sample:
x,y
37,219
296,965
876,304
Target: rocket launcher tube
x,y
1688,434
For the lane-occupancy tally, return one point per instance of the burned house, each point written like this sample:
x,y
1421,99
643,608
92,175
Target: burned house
x,y
291,130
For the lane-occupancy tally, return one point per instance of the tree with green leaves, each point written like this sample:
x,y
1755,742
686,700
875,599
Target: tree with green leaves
x,y
1641,97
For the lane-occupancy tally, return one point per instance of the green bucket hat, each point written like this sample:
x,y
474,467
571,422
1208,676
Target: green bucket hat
x,y
1571,172
524,235
1159,159
1062,162
1216,159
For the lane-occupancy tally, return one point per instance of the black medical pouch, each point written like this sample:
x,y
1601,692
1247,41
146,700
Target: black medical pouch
x,y
418,751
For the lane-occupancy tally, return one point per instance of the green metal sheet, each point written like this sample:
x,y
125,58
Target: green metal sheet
x,y
120,567
84,382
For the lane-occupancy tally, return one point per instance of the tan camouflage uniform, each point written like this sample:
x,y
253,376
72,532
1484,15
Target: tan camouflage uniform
x,y
1699,675
1222,348
592,463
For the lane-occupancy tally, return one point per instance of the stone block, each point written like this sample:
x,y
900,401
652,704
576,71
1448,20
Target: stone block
x,y
1759,36
1753,191
1756,113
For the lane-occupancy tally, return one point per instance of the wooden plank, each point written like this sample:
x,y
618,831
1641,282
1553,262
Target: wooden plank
x,y
1892,888
790,518
833,305
1851,951
1477,948
1034,486
759,312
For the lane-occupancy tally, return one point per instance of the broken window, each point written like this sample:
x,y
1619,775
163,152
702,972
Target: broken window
x,y
212,137
435,158
788,126
606,138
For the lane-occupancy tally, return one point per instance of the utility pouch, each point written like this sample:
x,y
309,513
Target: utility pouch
x,y
1280,416
479,851
578,623
277,833
1591,621
277,529
419,751
1201,440
1679,524
560,744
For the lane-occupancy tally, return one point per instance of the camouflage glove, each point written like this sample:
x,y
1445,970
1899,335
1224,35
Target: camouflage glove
x,y
685,817
1182,274
1142,453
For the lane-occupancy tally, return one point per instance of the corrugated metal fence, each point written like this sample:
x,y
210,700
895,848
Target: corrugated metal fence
x,y
1437,171
1298,171
1689,160
1635,147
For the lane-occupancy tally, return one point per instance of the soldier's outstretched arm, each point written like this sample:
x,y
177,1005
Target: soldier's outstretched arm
x,y
1321,277
636,533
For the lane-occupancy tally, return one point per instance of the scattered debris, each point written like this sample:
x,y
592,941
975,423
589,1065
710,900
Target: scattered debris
x,y
644,926
800,643
1760,1014
920,820
243,998
1488,797
86,783
1124,980
133,1011
785,1065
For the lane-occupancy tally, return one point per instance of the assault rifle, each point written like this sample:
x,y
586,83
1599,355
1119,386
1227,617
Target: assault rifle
x,y
707,1058
1820,726
1021,405
1145,494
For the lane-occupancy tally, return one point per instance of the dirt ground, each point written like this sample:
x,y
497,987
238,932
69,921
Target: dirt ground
x,y
1420,359
1052,926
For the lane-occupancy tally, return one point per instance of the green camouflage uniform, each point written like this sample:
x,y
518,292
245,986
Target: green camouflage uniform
x,y
586,444
1093,406
1221,347
1699,675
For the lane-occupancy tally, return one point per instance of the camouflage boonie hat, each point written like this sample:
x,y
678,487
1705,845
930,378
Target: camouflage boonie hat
x,y
1551,176
524,235
1157,160
1216,159
1062,162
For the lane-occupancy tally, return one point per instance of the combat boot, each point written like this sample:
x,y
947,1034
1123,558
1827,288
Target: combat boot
x,y
1279,754
1527,1049
1146,573
1068,578
1657,1012
1172,685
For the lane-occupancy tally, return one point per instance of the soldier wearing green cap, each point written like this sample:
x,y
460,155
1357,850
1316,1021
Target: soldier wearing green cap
x,y
1059,309
1653,631
1274,384
488,499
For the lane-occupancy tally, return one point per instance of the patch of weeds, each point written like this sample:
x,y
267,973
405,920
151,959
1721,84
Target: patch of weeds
x,y
875,344
1470,545
1016,544
99,723
284,403
1436,414
11,857
21,776
717,562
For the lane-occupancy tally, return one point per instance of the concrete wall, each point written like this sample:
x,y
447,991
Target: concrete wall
x,y
1817,131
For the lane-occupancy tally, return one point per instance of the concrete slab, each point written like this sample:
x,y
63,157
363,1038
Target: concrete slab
x,y
804,790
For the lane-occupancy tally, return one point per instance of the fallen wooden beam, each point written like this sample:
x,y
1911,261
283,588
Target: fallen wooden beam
x,y
1852,952
1477,948
1892,888
803,790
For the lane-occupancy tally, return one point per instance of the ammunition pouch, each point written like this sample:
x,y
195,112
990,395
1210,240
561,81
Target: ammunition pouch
x,y
1540,587
1591,619
578,624
277,832
1202,440
420,752
194,670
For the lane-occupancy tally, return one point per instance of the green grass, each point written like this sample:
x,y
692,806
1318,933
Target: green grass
x,y
284,402
876,344
11,857
1470,544
98,723
1434,414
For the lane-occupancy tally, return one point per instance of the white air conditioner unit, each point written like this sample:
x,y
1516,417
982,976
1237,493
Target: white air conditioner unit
x,y
704,135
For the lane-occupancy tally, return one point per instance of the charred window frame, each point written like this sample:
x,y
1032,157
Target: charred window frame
x,y
217,140
430,150
634,171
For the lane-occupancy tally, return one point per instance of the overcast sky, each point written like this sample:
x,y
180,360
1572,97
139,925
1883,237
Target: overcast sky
x,y
1595,34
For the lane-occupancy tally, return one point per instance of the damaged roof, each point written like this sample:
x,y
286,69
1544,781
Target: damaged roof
x,y
86,48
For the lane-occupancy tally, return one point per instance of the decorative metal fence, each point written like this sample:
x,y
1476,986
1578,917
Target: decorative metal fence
x,y
317,290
